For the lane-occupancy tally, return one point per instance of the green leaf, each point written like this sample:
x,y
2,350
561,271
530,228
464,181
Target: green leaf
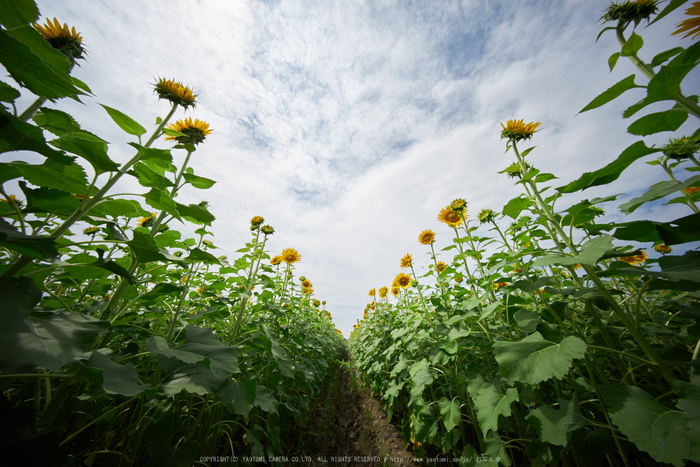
x,y
591,252
669,8
490,403
160,199
160,157
198,256
555,425
146,250
515,206
196,214
669,120
160,346
610,172
57,122
612,61
115,268
48,200
8,93
116,378
119,208
90,148
126,123
663,56
16,135
632,46
149,178
199,182
667,82
32,62
15,13
535,359
611,93
195,379
238,396
30,245
658,190
667,435
223,359
450,412
265,400
51,174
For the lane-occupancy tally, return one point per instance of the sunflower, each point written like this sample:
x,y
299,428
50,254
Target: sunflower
x,y
402,280
441,266
692,189
383,292
290,255
635,260
276,260
426,237
663,249
306,284
372,292
147,221
458,204
517,130
690,26
486,215
267,229
629,11
91,230
257,220
500,284
67,41
395,290
450,217
194,131
406,261
175,92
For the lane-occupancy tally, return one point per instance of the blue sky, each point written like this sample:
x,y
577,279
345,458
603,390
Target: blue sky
x,y
348,125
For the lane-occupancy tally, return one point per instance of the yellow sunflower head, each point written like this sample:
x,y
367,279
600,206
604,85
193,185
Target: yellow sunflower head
x,y
175,92
451,217
383,292
65,40
395,290
518,130
372,292
147,221
663,249
441,266
402,280
635,260
426,237
306,284
406,261
497,285
690,26
290,256
194,131
276,260
257,221
458,205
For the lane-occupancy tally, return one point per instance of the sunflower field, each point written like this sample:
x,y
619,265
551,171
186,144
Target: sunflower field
x,y
124,341
541,336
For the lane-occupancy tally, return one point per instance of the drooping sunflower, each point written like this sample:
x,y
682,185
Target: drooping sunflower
x,y
406,261
663,249
372,292
518,130
65,40
690,26
426,237
195,131
451,217
276,260
402,280
147,221
635,260
175,92
257,221
383,292
290,256
441,266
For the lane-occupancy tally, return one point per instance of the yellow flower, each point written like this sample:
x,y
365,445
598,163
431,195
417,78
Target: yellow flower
x,y
663,249
402,280
195,131
91,230
690,26
635,260
689,190
406,261
395,290
66,41
517,130
500,284
426,237
383,292
450,217
577,266
458,279
372,292
175,92
147,221
290,255
306,284
257,220
276,260
441,266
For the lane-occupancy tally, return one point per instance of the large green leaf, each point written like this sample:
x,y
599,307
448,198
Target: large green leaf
x,y
48,200
491,402
16,135
610,172
450,412
555,425
160,199
116,378
535,359
15,13
195,213
56,121
665,85
265,399
126,123
669,120
667,435
146,249
51,174
160,346
32,62
198,182
149,178
611,93
591,252
90,148
238,396
30,245
223,359
658,190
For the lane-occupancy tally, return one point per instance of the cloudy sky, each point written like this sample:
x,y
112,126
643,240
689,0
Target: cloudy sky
x,y
349,124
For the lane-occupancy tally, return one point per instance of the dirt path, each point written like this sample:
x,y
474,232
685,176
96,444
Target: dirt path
x,y
348,427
